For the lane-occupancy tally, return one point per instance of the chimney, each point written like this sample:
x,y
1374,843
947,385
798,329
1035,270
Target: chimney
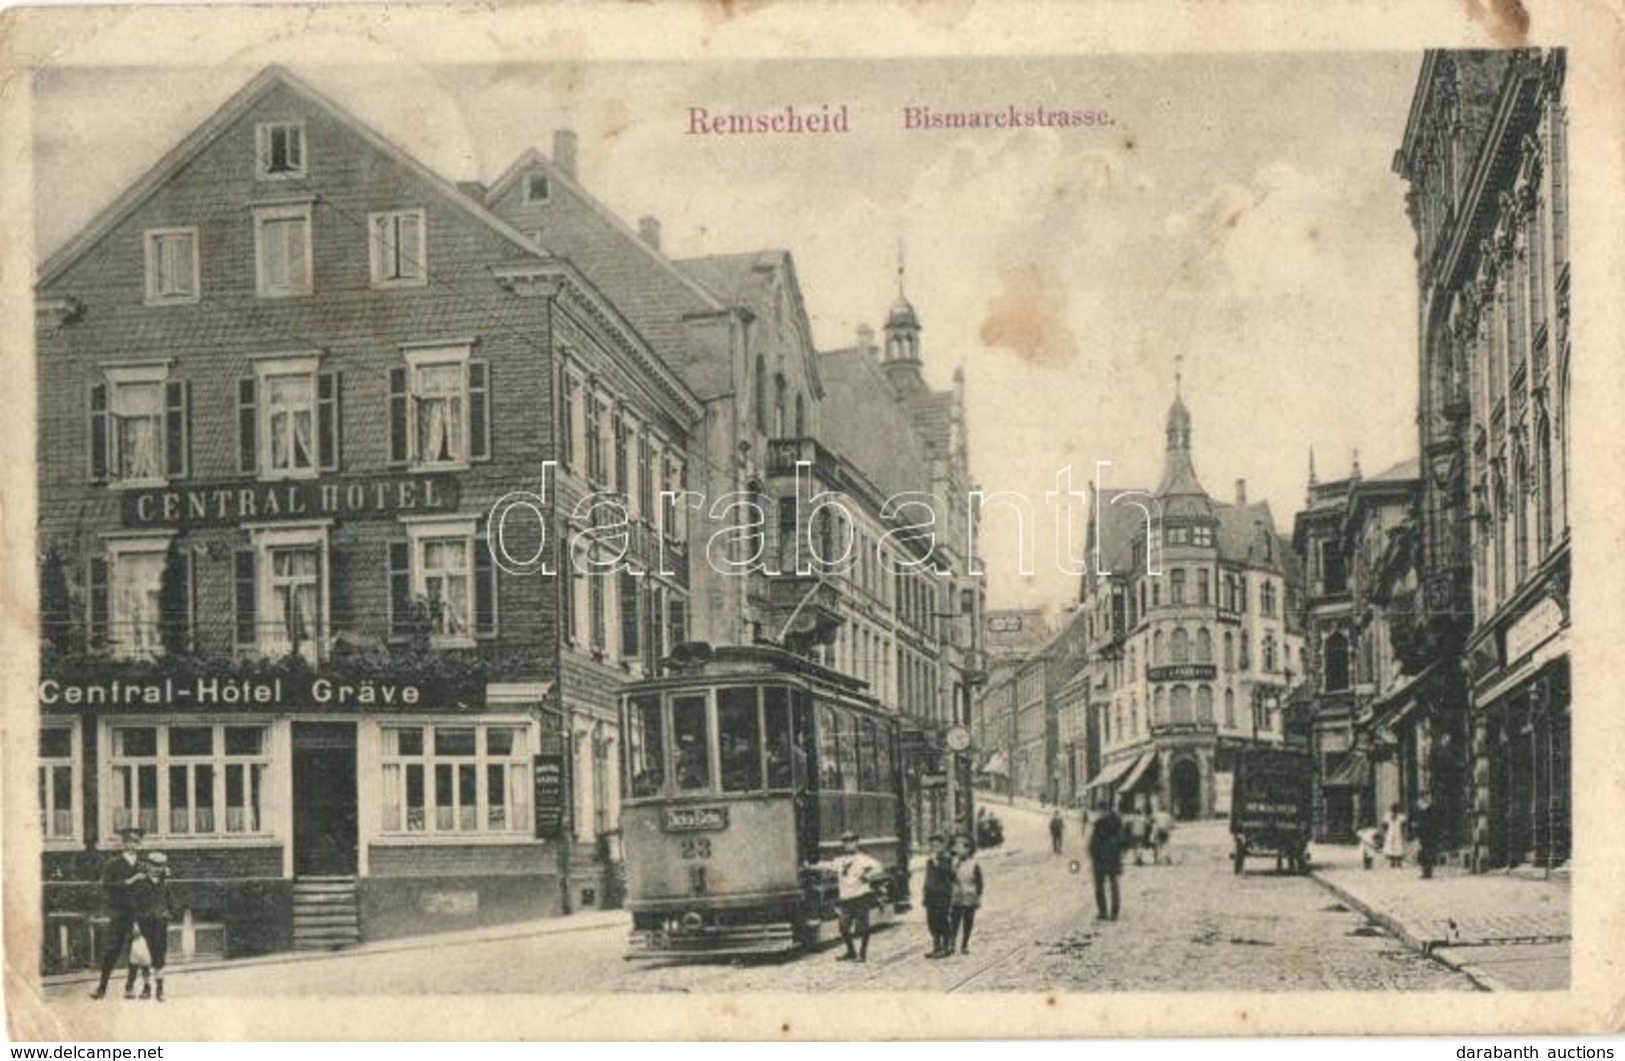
x,y
1241,492
866,337
649,230
564,152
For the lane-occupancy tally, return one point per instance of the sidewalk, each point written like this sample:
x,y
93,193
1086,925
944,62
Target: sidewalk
x,y
586,921
1508,932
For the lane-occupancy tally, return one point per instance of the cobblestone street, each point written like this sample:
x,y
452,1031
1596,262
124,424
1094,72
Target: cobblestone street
x,y
1192,925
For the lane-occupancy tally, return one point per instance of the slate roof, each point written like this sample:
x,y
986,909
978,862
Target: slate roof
x,y
860,422
271,79
653,293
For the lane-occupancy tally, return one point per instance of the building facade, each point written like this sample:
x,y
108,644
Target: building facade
x,y
1208,648
1356,540
1485,154
286,380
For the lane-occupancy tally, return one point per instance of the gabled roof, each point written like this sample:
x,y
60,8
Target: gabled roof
x,y
860,422
651,290
1242,529
743,281
1115,519
195,142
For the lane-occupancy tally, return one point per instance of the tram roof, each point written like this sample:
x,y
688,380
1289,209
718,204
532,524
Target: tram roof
x,y
762,661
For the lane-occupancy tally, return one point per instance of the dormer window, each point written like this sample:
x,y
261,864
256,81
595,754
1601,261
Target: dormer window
x,y
538,188
281,150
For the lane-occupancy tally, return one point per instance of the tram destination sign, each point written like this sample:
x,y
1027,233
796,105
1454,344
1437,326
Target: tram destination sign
x,y
695,819
230,503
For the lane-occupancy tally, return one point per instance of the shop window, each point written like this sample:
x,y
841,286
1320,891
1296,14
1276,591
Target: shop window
x,y
191,780
456,779
58,782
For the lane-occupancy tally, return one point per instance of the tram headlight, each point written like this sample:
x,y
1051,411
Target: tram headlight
x,y
693,921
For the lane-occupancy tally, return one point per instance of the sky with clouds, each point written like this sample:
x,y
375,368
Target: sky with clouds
x,y
1240,212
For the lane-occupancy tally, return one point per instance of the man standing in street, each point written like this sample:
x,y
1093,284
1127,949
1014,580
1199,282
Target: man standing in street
x,y
855,874
938,897
117,874
1423,827
1057,829
1106,862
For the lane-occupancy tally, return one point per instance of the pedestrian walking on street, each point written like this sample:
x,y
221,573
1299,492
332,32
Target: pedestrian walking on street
x,y
856,874
1426,831
938,897
1106,838
151,912
117,874
1394,828
968,885
1057,829
1162,831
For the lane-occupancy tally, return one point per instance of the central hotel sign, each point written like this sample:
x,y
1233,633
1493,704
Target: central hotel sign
x,y
228,504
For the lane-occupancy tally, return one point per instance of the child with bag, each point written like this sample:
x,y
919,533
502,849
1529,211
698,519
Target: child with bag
x,y
149,945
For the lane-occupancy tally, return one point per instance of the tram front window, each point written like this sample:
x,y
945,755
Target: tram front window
x,y
646,745
691,743
739,730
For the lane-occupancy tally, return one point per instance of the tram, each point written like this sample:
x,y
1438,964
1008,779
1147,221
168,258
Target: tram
x,y
742,770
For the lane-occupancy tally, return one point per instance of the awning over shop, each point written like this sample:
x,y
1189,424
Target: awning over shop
x,y
1393,708
1141,771
1354,773
1111,773
996,765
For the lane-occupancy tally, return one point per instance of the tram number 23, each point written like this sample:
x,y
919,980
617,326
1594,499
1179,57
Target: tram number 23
x,y
697,847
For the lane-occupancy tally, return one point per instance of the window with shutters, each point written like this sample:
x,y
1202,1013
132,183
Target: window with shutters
x,y
597,619
59,761
140,425
646,477
288,418
282,250
398,248
622,433
440,408
597,462
281,593
630,613
171,266
676,621
134,572
442,577
280,153
569,421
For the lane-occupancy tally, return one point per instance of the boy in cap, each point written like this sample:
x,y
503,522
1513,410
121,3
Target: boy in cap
x,y
855,874
151,910
117,874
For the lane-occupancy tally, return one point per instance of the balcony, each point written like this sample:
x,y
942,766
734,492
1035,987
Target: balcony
x,y
785,454
806,608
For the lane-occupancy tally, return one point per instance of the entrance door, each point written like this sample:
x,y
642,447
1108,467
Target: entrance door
x,y
324,799
1187,784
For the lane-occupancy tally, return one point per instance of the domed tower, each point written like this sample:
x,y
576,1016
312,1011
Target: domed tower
x,y
901,356
1181,493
